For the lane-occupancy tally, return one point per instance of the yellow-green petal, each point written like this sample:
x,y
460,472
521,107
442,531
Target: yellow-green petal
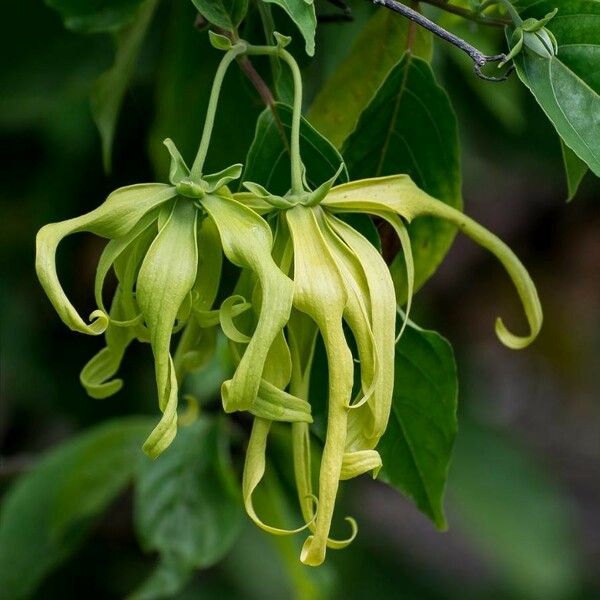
x,y
166,277
247,242
113,219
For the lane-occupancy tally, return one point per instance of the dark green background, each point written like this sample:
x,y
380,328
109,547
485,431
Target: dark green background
x,y
524,485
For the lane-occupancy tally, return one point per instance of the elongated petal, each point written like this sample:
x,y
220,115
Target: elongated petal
x,y
112,219
395,193
515,269
383,318
114,249
357,312
398,225
163,434
254,470
319,292
398,194
276,405
247,242
165,279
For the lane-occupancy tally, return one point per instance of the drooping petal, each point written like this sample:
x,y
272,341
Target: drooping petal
x,y
254,470
399,195
113,219
113,250
198,339
247,242
358,308
513,266
166,277
398,225
383,318
271,403
319,292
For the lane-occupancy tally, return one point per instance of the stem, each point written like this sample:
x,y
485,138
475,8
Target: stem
x,y
230,56
296,161
479,58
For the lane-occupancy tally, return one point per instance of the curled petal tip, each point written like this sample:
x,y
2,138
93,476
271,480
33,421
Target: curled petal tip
x,y
516,342
313,554
99,321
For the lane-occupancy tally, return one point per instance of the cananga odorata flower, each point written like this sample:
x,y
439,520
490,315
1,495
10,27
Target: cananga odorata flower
x,y
341,287
165,245
317,276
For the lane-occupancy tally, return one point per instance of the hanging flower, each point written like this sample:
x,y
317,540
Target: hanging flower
x,y
341,284
165,246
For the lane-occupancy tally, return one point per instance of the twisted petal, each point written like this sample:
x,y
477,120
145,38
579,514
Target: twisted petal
x,y
276,405
399,195
113,250
199,337
113,219
319,292
383,317
96,376
254,470
357,312
247,242
165,279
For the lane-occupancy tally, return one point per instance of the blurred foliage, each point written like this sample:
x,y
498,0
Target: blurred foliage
x,y
523,489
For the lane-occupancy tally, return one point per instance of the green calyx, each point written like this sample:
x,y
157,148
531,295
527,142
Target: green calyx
x,y
197,186
291,199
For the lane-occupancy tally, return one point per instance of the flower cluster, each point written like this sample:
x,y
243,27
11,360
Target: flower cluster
x,y
304,273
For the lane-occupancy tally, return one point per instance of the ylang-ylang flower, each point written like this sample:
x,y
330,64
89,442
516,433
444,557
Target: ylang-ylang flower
x,y
305,274
165,244
342,288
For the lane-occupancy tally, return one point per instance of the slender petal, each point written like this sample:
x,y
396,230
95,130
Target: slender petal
x,y
399,195
320,293
247,242
166,277
383,318
113,219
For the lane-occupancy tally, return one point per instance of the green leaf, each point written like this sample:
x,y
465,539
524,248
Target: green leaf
x,y
109,89
48,512
338,105
226,14
417,446
95,16
302,12
409,127
567,86
188,507
575,170
514,514
267,162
